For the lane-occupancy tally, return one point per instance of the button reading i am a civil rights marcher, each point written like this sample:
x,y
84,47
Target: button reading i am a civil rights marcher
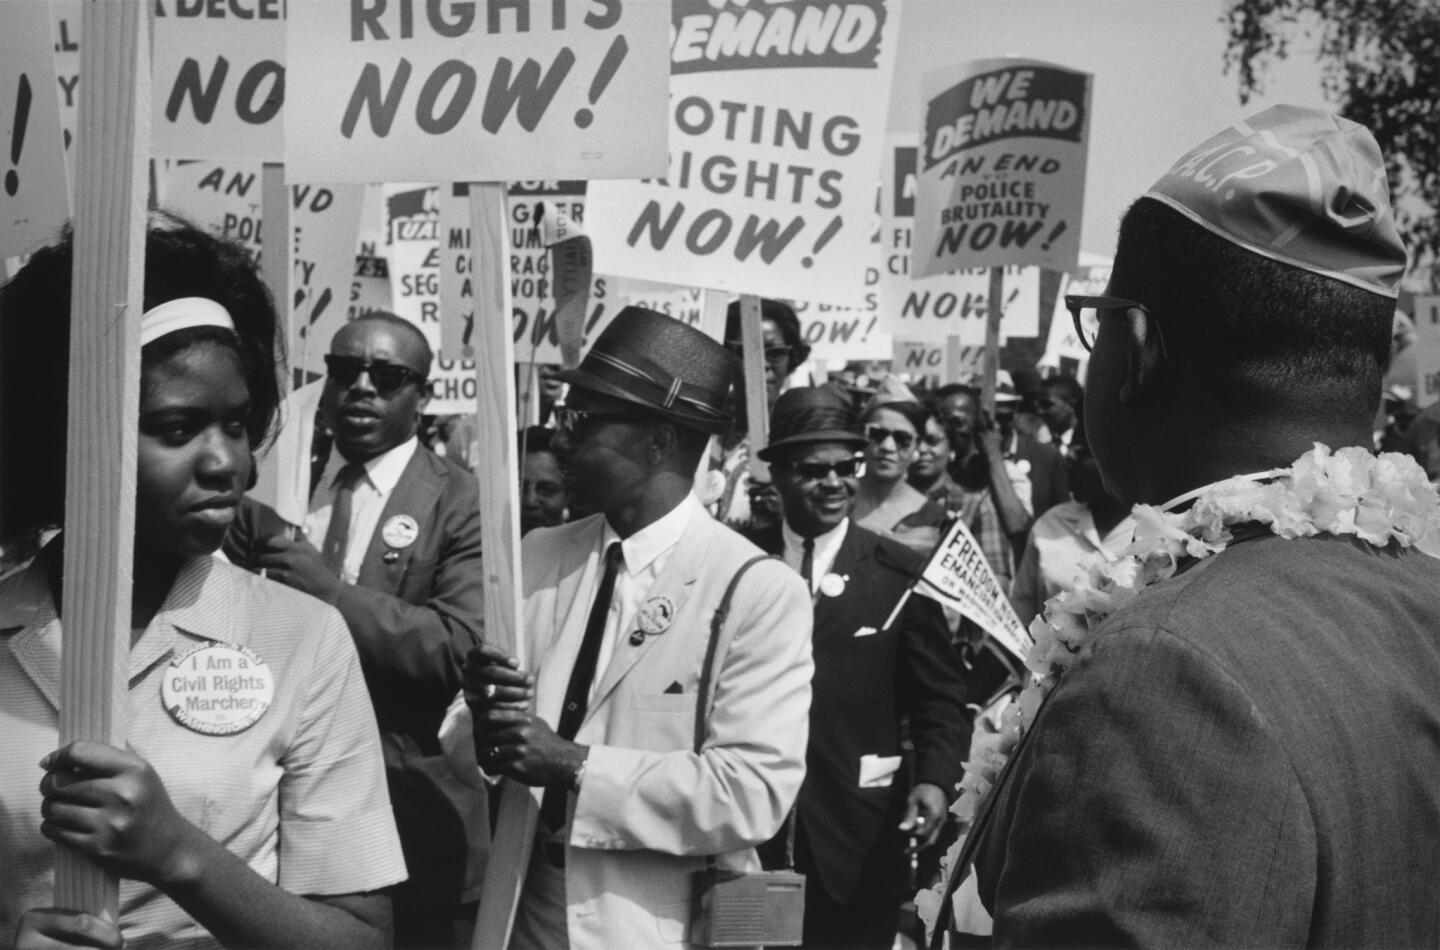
x,y
217,689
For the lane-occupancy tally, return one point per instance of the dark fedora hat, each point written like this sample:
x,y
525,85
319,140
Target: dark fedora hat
x,y
809,414
655,361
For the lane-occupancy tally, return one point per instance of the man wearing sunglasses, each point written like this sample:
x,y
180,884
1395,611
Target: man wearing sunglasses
x,y
601,722
862,802
1245,752
393,541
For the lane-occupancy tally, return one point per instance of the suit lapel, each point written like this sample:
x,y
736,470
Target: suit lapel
x,y
852,561
414,497
573,564
676,582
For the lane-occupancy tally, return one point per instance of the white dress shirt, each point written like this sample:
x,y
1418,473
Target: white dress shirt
x,y
382,474
827,546
646,553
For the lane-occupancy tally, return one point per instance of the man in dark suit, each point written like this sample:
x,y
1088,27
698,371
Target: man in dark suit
x,y
874,674
1245,753
393,541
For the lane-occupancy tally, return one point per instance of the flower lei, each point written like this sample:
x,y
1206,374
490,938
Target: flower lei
x,y
1381,499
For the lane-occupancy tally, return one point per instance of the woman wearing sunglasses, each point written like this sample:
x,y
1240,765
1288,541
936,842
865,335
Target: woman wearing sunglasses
x,y
886,502
247,805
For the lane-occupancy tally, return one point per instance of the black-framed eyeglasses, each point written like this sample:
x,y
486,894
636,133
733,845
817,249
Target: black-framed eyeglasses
x,y
387,377
878,434
1086,312
819,471
568,421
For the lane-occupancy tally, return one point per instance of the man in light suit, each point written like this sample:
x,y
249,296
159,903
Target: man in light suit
x,y
865,794
1247,753
617,618
404,569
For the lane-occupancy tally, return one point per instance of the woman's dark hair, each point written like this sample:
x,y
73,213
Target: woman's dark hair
x,y
783,316
913,412
181,260
535,439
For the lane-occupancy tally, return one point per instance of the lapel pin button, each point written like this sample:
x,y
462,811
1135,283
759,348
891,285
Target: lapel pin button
x,y
637,638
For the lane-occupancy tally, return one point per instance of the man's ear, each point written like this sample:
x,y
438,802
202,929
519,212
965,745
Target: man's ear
x,y
664,441
1144,356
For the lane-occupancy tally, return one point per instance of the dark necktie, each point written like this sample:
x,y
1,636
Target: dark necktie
x,y
337,535
577,693
807,565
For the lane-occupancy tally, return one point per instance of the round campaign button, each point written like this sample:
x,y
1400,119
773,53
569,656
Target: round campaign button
x,y
655,614
400,531
217,689
833,585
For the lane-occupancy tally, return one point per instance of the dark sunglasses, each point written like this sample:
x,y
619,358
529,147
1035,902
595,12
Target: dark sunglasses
x,y
1086,313
387,377
568,421
878,434
819,471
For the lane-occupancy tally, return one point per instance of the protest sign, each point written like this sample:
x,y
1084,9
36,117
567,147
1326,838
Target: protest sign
x,y
219,80
572,266
777,125
457,274
959,577
937,363
221,196
1427,352
34,197
370,286
414,215
940,306
846,333
382,91
1063,351
65,33
1002,170
225,197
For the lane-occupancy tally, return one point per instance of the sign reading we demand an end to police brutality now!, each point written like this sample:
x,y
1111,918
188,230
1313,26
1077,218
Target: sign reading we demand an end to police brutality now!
x,y
777,115
457,90
1002,170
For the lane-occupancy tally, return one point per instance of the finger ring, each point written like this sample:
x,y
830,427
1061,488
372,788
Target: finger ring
x,y
494,752
489,691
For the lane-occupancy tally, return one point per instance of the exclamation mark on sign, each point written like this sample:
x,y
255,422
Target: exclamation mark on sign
x,y
871,328
831,229
1055,232
17,136
609,66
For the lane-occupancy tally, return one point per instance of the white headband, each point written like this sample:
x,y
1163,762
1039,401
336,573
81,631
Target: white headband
x,y
182,314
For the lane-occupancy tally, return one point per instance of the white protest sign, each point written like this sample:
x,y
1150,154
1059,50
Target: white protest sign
x,y
457,273
937,363
682,303
381,91
532,291
325,220
370,286
219,79
938,307
221,196
1427,352
1063,350
777,125
959,577
34,195
65,32
845,333
1002,170
414,214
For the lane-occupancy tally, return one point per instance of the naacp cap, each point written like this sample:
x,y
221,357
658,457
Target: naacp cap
x,y
662,364
1298,185
809,414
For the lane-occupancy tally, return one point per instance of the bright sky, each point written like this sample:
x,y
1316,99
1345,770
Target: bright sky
x,y
1159,86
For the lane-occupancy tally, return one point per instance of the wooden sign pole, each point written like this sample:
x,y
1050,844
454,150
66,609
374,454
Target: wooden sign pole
x,y
276,244
757,407
713,304
112,144
499,476
993,312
